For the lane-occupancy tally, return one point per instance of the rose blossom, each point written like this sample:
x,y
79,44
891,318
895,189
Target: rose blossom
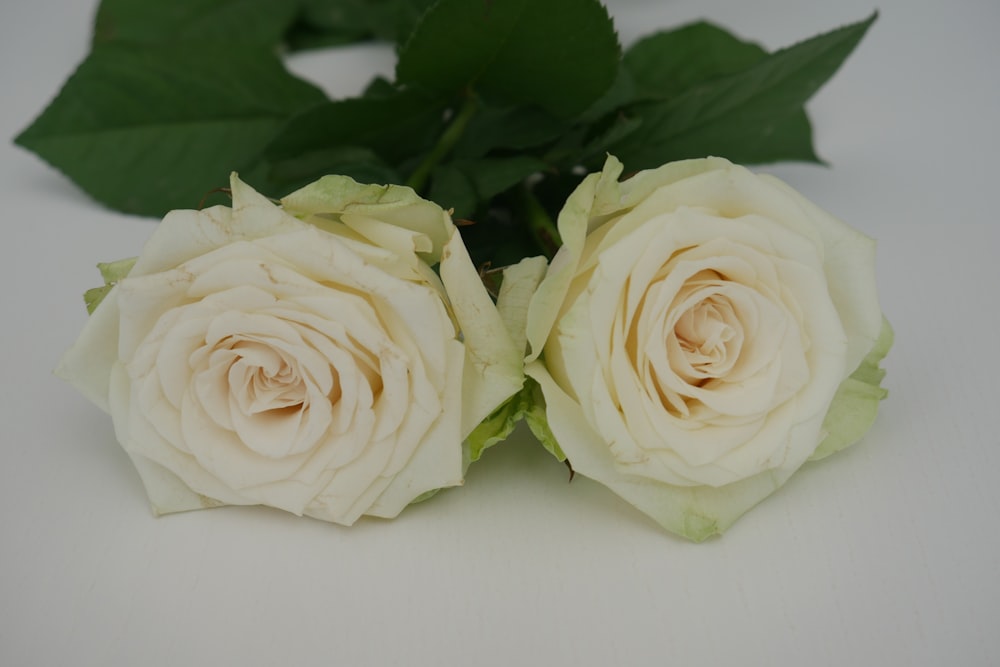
x,y
303,356
694,330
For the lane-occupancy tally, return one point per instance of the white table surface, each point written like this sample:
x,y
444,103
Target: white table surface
x,y
886,554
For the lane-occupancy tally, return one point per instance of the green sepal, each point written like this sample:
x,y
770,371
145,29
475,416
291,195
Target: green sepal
x,y
537,421
93,297
855,405
426,495
529,405
111,272
495,428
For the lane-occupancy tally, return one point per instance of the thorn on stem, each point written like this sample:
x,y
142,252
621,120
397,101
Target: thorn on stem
x,y
572,473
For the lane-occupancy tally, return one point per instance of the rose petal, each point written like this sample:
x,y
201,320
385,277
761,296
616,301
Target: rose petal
x,y
437,463
493,364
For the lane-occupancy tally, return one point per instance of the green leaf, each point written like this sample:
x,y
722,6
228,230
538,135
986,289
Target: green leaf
x,y
261,22
392,126
335,22
378,87
669,63
856,402
284,176
751,116
149,128
492,176
463,184
602,125
597,147
559,54
510,128
770,137
452,189
621,93
497,238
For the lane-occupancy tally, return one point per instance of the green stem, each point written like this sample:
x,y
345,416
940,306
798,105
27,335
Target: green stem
x,y
418,179
540,224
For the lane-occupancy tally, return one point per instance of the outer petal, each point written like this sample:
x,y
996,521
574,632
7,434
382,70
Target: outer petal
x,y
87,365
167,493
640,186
162,487
574,221
397,205
856,402
493,364
184,235
849,263
437,463
694,512
519,284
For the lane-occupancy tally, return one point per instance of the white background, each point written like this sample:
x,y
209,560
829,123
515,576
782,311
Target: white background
x,y
886,554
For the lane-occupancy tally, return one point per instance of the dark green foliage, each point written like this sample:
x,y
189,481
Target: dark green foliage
x,y
497,108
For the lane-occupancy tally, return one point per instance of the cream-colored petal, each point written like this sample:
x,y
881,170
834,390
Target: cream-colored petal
x,y
696,512
519,284
403,242
139,438
87,364
345,509
396,205
571,354
493,365
184,235
437,462
573,223
341,491
226,457
166,491
849,264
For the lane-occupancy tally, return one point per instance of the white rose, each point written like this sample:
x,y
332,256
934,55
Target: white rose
x,y
305,357
695,328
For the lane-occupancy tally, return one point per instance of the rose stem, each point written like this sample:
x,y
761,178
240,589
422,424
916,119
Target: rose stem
x,y
450,136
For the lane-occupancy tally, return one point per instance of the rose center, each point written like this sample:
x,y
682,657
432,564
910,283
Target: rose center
x,y
708,334
262,379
